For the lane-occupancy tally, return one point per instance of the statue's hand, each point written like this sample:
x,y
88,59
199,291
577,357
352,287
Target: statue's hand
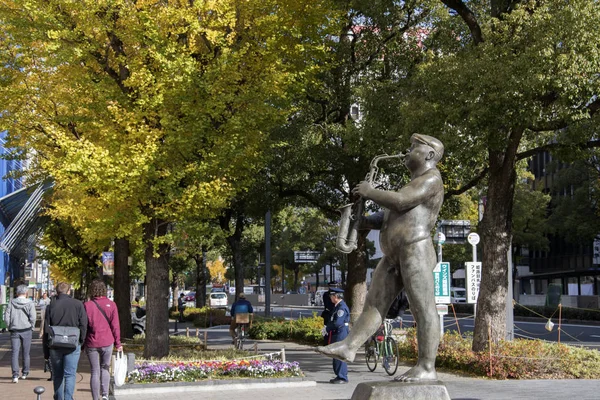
x,y
362,189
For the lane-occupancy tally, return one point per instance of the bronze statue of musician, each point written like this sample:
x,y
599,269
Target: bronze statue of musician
x,y
409,257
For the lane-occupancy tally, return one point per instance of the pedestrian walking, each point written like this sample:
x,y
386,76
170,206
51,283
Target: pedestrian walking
x,y
65,311
43,303
337,330
20,318
103,332
181,306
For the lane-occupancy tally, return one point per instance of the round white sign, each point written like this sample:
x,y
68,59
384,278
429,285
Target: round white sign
x,y
441,238
473,239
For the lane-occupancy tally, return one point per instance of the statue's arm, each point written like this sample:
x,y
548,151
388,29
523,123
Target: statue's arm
x,y
410,196
373,221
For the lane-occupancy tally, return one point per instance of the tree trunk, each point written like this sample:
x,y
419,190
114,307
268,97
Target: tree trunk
x,y
157,303
234,240
296,269
356,285
122,287
496,234
201,279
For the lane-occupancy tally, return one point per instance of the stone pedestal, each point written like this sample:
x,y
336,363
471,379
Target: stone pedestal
x,y
391,390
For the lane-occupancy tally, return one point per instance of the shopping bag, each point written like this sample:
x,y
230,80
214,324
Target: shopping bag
x,y
120,368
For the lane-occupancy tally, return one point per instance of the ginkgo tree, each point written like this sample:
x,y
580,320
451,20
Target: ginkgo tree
x,y
147,113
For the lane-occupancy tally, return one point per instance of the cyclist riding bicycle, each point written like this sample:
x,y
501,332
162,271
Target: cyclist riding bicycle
x,y
241,308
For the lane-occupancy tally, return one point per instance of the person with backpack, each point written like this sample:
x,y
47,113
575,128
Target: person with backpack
x,y
64,331
103,333
20,319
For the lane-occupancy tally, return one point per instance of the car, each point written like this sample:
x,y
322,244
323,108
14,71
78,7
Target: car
x,y
190,296
458,295
218,300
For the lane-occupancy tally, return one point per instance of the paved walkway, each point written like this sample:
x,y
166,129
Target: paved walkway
x,y
316,367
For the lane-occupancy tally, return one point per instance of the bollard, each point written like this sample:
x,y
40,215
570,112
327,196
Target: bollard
x,y
130,362
187,331
283,354
175,326
38,391
205,340
196,332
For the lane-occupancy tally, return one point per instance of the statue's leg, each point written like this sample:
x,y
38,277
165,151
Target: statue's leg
x,y
385,286
416,267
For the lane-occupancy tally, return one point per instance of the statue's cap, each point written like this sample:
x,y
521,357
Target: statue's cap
x,y
335,290
430,141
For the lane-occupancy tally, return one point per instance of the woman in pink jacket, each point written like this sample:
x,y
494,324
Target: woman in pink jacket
x,y
103,332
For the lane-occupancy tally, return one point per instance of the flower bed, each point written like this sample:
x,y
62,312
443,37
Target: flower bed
x,y
194,371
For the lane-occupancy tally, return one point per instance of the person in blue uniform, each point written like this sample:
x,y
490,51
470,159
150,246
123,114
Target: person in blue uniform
x,y
328,307
337,329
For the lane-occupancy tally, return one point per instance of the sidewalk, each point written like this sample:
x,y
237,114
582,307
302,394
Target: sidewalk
x,y
315,366
37,377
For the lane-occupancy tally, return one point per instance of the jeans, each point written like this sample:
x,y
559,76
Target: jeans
x,y
18,340
100,374
64,368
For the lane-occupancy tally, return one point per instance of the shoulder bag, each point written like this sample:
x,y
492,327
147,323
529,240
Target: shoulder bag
x,y
63,337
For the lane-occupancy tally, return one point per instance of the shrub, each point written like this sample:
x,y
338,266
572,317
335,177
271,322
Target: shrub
x,y
567,313
517,359
306,330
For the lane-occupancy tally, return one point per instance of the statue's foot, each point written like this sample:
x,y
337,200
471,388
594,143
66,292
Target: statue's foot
x,y
338,350
416,374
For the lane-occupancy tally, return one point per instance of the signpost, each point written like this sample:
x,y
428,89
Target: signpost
x,y
441,286
473,270
441,239
474,274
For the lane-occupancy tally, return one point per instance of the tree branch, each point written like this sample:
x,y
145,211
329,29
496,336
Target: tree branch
x,y
520,156
467,15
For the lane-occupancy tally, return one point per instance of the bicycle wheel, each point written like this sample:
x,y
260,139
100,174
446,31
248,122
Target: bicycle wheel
x,y
371,354
238,338
390,356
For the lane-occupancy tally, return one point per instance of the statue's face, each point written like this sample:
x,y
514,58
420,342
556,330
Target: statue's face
x,y
416,155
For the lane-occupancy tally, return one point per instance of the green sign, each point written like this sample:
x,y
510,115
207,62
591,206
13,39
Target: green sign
x,y
441,283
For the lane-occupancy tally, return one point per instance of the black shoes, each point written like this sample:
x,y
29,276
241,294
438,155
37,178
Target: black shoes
x,y
337,381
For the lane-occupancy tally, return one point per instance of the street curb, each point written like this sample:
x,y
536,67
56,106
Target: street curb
x,y
210,385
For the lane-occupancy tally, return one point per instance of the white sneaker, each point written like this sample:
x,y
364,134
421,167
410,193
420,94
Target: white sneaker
x,y
24,376
15,380
104,397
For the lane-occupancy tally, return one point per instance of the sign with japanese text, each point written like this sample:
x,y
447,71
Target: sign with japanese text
x,y
306,256
441,283
473,275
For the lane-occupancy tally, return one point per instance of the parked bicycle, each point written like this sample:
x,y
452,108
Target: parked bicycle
x,y
382,345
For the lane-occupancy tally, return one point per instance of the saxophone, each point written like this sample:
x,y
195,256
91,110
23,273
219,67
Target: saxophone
x,y
349,222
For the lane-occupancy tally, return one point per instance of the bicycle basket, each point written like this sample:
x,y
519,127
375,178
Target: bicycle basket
x,y
242,318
